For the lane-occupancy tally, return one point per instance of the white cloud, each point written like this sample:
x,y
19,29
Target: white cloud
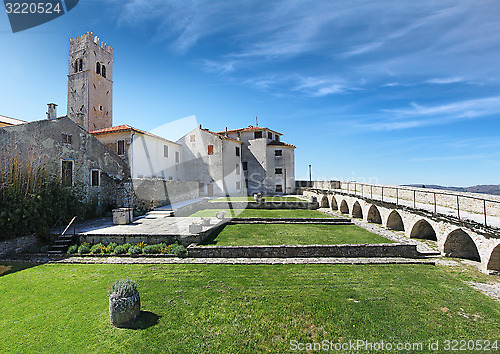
x,y
446,80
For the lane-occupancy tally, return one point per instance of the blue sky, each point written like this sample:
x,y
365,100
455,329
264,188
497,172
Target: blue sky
x,y
393,92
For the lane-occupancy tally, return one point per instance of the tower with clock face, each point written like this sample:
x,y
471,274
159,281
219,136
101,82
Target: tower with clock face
x,y
90,82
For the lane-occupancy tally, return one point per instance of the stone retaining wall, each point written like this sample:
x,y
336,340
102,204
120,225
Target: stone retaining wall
x,y
17,245
284,251
264,205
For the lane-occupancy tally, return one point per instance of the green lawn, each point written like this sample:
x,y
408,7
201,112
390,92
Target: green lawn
x,y
294,234
251,199
57,308
264,213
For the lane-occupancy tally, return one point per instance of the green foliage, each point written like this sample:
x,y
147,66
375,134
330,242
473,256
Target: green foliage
x,y
151,249
123,288
120,250
110,248
126,246
84,248
134,250
97,249
31,201
179,250
72,249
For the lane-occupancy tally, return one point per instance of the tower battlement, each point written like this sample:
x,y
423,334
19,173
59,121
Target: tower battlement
x,y
85,40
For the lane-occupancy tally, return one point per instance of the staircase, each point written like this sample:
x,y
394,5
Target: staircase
x,y
63,241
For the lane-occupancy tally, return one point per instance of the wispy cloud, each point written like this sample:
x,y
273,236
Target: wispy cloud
x,y
445,80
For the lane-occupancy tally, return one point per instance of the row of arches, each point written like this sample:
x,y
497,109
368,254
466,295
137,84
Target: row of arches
x,y
457,243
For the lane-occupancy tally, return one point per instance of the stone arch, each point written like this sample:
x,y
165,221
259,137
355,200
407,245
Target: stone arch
x,y
344,209
494,262
374,215
460,245
395,221
357,212
422,229
333,203
323,203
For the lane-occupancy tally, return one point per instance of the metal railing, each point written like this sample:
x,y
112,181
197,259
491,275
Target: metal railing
x,y
415,191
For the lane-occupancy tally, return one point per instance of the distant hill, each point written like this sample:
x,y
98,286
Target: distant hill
x,y
485,189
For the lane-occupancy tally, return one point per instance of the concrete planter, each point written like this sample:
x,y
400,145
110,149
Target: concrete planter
x,y
124,311
123,216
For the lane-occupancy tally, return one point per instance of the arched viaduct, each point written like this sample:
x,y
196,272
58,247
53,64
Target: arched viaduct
x,y
454,238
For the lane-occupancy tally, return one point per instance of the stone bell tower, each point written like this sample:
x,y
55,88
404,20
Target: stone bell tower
x,y
90,82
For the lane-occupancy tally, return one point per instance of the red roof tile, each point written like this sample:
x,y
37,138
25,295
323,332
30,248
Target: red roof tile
x,y
221,135
126,128
249,129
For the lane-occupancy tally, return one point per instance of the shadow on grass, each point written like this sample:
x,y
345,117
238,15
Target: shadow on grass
x,y
12,267
145,320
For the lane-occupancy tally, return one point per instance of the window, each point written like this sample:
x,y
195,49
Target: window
x,y
270,135
279,188
210,149
278,152
237,151
201,188
98,68
78,65
177,158
67,173
245,166
278,171
277,137
121,147
257,135
246,183
165,150
192,138
103,71
95,178
237,168
67,138
238,185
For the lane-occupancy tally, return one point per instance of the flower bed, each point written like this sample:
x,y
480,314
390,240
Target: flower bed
x,y
127,249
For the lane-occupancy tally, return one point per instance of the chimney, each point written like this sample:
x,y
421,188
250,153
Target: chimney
x,y
226,132
51,111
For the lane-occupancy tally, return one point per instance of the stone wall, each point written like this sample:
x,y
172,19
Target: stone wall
x,y
17,245
348,251
264,205
156,192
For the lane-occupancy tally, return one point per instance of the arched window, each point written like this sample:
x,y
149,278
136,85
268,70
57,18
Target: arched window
x,y
80,64
76,65
103,71
98,68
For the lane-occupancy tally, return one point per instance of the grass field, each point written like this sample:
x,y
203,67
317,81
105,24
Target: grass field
x,y
251,199
294,234
57,308
263,213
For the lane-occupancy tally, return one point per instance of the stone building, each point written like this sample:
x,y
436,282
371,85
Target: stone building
x,y
7,121
268,163
214,161
69,153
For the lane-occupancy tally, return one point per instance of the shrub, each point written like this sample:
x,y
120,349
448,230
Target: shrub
x,y
126,246
134,250
123,288
72,249
84,248
179,250
162,248
111,247
151,249
120,250
142,244
97,249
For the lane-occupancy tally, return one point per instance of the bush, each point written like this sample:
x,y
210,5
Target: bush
x,y
84,248
162,248
134,250
123,288
120,250
97,249
151,249
179,250
72,249
111,247
126,246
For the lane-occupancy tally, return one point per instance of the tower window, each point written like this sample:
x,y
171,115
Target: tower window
x,y
103,71
98,68
278,153
121,147
78,65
